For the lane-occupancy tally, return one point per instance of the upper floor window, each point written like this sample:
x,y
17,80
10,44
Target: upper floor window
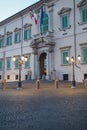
x,y
64,21
65,53
1,42
9,39
64,18
83,8
1,64
44,25
84,15
84,55
27,33
17,35
8,63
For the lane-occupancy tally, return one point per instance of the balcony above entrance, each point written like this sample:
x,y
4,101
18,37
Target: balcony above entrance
x,y
42,40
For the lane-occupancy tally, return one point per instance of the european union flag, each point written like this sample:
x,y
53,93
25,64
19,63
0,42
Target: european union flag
x,y
42,15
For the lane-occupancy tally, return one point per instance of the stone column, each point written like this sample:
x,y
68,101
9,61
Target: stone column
x,y
38,68
48,66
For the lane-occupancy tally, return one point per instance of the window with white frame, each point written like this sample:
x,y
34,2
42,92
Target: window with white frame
x,y
9,39
84,15
44,25
84,55
17,36
64,54
8,63
27,63
1,42
16,63
27,33
64,21
64,14
1,64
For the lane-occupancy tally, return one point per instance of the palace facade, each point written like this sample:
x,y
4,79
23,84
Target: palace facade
x,y
62,33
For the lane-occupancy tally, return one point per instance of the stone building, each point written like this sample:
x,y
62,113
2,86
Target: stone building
x,y
60,31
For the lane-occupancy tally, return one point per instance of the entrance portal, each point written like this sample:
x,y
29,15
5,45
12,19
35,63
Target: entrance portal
x,y
43,65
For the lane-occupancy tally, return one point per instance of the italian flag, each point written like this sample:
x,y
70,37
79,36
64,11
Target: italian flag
x,y
33,15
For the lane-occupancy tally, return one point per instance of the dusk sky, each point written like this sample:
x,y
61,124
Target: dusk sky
x,y
10,7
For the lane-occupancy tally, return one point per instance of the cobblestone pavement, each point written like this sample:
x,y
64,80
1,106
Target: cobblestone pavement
x,y
43,109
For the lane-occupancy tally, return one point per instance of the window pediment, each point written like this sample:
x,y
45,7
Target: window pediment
x,y
64,10
17,29
27,25
82,3
8,33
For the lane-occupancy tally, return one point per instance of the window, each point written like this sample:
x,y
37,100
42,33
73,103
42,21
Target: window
x,y
0,77
1,42
17,63
1,64
64,55
8,63
8,76
9,39
65,76
26,77
16,77
27,63
64,22
85,76
84,55
17,37
84,15
44,26
27,33
64,18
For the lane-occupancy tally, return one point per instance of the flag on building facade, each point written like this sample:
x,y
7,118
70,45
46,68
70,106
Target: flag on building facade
x,y
33,15
42,15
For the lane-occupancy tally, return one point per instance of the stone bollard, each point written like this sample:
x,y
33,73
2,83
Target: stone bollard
x,y
56,83
3,83
85,82
37,84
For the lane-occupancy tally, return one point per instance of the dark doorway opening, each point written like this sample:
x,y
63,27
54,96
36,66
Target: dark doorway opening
x,y
43,65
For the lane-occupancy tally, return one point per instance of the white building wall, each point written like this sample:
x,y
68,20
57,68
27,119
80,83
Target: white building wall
x,y
61,39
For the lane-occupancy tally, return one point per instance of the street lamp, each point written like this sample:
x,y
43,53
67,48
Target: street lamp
x,y
21,60
73,62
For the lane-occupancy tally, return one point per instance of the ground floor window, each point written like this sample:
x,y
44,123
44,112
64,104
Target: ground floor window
x,y
65,76
16,77
0,77
8,76
26,77
85,76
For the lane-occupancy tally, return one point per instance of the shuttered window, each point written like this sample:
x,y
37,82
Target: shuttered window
x,y
44,26
1,64
64,21
64,55
27,34
84,55
84,14
8,63
9,40
17,37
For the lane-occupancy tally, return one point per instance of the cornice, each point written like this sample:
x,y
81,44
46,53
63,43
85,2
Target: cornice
x,y
82,3
64,10
20,14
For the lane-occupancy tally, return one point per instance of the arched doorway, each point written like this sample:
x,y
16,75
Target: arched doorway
x,y
43,64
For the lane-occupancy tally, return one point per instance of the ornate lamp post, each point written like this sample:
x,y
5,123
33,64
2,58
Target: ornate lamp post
x,y
73,62
21,60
